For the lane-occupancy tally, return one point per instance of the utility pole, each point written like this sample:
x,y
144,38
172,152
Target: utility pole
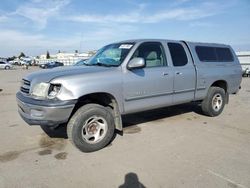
x,y
81,39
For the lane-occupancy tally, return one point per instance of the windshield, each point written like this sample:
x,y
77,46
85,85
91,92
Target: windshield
x,y
111,55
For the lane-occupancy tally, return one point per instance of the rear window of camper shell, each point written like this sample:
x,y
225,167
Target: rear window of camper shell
x,y
214,54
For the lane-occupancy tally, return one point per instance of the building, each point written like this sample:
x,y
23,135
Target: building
x,y
63,57
44,56
244,58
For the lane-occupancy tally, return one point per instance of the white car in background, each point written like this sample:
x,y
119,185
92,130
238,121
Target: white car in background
x,y
25,62
4,65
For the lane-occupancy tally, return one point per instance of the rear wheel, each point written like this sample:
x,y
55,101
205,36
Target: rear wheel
x,y
214,103
91,127
7,67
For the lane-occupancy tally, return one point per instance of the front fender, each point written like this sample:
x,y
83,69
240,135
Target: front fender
x,y
74,87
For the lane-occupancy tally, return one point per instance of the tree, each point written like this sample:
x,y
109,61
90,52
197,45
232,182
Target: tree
x,y
59,51
21,55
11,58
47,55
76,51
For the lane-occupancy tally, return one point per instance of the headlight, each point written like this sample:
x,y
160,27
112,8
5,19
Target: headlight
x,y
46,90
53,90
40,90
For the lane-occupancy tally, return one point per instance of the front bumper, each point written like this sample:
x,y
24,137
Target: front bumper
x,y
44,112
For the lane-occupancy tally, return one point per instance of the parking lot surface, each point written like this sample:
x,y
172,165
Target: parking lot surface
x,y
169,147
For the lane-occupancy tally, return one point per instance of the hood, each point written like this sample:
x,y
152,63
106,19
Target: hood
x,y
49,74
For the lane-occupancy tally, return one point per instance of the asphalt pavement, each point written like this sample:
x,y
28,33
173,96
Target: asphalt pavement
x,y
169,147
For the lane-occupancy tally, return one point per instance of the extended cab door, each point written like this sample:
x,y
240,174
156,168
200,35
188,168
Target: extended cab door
x,y
184,73
149,87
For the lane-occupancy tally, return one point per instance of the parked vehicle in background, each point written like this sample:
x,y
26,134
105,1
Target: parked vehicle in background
x,y
81,62
5,65
25,62
50,65
128,77
16,61
246,72
11,62
244,58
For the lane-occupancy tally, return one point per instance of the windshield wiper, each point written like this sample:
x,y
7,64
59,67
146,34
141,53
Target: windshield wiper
x,y
104,65
86,64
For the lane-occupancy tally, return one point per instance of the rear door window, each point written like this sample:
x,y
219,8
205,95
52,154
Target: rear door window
x,y
178,54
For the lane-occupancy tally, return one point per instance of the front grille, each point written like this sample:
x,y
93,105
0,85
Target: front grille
x,y
26,82
25,88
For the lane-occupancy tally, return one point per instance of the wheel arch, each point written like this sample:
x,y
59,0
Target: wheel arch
x,y
104,99
220,83
224,85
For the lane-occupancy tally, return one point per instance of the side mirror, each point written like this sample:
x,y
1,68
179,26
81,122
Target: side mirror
x,y
136,63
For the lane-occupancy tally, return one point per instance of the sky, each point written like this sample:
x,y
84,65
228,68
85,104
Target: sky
x,y
35,26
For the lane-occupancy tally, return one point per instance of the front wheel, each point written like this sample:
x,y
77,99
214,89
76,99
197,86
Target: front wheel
x,y
214,102
7,67
91,127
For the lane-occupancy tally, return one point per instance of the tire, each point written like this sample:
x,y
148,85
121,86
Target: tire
x,y
214,102
91,128
7,68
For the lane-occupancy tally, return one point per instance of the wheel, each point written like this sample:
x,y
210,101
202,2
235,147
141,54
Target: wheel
x,y
7,67
214,102
91,127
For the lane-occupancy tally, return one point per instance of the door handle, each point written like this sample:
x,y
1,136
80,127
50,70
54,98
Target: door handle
x,y
178,73
165,74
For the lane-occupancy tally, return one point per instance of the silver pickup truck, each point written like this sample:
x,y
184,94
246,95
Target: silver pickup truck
x,y
127,77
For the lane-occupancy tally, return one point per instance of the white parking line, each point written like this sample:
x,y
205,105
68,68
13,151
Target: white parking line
x,y
226,179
